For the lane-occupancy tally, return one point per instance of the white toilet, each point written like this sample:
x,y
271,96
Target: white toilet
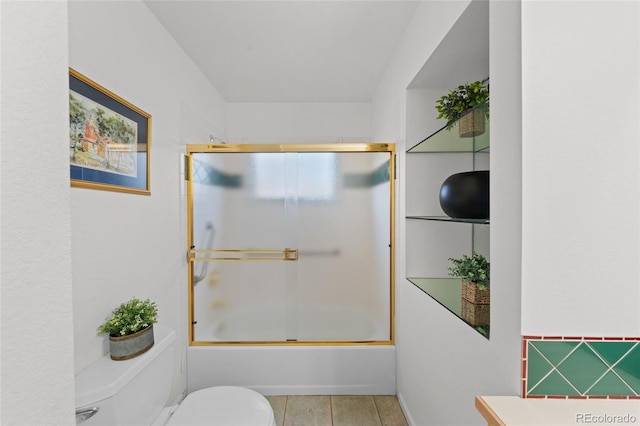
x,y
135,392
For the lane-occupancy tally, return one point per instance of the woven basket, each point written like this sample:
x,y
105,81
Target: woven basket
x,y
474,313
471,293
472,123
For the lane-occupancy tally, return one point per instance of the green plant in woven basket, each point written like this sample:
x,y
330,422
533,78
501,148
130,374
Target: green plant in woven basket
x,y
461,99
473,268
130,317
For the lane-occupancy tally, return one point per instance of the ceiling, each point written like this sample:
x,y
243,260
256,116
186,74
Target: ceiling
x,y
288,51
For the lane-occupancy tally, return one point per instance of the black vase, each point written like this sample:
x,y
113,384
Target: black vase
x,y
466,195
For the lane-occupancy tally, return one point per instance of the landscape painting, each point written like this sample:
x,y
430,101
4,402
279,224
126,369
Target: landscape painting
x,y
108,139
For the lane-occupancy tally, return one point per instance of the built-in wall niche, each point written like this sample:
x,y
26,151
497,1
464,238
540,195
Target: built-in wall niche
x,y
436,152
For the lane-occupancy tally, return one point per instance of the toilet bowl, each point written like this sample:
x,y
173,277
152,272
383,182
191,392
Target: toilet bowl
x,y
136,392
223,405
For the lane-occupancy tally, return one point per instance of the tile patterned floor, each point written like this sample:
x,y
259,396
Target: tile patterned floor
x,y
337,410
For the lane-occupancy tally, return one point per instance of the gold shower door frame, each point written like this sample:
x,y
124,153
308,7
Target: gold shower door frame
x,y
285,254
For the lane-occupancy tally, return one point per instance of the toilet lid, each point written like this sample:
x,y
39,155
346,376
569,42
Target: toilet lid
x,y
223,405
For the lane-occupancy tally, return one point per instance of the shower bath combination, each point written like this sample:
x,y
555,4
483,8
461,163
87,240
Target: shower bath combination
x,y
290,244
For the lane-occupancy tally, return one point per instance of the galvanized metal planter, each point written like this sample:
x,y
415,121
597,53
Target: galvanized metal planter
x,y
131,345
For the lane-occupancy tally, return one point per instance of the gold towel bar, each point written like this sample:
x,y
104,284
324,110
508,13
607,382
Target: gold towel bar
x,y
243,255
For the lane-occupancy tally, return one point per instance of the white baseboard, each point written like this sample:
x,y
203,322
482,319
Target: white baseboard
x,y
405,410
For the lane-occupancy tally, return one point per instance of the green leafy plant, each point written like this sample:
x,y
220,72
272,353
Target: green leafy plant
x,y
475,269
130,317
459,100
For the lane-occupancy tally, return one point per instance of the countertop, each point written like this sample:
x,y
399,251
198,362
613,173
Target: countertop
x,y
516,411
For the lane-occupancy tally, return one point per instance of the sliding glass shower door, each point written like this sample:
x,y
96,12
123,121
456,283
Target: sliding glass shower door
x,y
290,243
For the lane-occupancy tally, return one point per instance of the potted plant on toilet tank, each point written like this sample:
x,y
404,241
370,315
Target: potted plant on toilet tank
x,y
130,328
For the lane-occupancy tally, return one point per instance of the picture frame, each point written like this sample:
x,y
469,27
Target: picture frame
x,y
109,139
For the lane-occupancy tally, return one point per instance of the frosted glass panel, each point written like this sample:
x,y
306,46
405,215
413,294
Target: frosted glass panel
x,y
239,300
344,264
291,246
241,303
314,175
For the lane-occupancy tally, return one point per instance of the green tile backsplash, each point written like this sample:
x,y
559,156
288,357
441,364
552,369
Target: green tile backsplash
x,y
577,367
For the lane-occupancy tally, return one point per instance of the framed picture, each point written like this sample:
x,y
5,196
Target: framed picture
x,y
109,139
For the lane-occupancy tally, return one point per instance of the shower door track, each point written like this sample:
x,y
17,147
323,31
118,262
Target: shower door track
x,y
286,254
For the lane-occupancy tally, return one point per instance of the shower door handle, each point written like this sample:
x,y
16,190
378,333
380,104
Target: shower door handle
x,y
288,253
243,255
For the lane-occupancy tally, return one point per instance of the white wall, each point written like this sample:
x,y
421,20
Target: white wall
x,y
580,168
128,245
442,362
37,329
299,122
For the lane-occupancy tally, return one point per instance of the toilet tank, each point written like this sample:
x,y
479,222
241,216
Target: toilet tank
x,y
131,392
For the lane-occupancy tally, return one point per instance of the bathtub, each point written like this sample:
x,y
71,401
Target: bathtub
x,y
302,369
